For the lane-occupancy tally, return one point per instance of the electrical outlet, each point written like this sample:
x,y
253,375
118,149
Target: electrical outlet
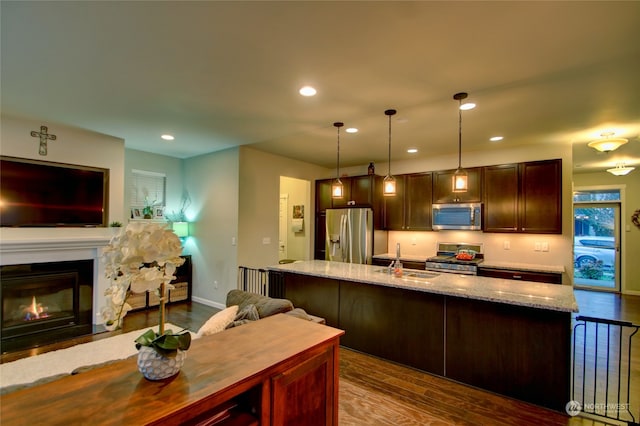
x,y
545,246
266,240
537,246
233,241
506,245
215,285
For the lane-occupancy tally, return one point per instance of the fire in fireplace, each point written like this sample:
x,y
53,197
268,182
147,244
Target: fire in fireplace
x,y
45,302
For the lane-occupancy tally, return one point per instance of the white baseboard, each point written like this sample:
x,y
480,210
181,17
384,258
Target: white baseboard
x,y
208,302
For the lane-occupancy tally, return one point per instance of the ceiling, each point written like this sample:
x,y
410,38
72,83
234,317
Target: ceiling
x,y
222,74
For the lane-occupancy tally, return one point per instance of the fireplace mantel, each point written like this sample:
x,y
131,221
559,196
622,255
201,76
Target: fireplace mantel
x,y
38,245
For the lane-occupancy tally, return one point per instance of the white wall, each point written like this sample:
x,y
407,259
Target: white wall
x,y
259,203
212,182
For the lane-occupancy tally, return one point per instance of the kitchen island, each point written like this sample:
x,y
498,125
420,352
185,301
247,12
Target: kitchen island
x,y
506,336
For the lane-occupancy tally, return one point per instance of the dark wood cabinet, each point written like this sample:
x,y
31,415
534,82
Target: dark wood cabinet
x,y
359,191
410,208
541,197
443,187
521,352
394,206
323,194
524,197
305,393
494,346
500,190
513,274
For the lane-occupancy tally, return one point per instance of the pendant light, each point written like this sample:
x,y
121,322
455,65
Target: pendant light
x,y
607,144
337,189
389,182
621,170
460,178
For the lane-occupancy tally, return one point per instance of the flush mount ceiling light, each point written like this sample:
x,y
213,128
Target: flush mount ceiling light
x,y
351,130
460,178
167,137
621,170
607,144
307,91
412,150
389,182
337,189
496,138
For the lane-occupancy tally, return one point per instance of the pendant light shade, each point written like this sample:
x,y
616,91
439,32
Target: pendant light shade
x,y
337,189
607,144
621,170
389,182
460,179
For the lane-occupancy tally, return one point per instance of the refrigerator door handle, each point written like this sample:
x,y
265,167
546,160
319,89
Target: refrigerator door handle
x,y
343,236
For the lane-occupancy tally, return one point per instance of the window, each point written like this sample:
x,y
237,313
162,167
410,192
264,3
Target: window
x,y
147,188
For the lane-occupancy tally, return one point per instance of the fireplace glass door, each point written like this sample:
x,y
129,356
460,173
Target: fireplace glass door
x,y
43,303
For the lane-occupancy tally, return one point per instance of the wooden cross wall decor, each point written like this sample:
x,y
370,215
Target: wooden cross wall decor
x,y
44,136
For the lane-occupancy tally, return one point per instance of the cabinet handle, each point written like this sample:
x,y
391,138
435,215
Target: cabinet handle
x,y
517,277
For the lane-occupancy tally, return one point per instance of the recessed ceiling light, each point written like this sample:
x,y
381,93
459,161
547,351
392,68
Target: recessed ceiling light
x,y
167,137
467,106
412,150
307,91
351,130
496,138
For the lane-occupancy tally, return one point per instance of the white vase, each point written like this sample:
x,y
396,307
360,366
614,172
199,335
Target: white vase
x,y
154,366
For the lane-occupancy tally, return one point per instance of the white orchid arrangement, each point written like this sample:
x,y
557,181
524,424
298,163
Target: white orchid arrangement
x,y
143,257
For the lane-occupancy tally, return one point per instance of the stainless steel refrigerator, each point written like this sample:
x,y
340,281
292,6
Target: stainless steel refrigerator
x,y
351,236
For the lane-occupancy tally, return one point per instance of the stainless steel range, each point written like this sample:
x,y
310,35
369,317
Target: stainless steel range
x,y
456,258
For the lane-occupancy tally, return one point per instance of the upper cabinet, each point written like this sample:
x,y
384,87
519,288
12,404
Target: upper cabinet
x,y
443,187
541,197
410,208
524,197
359,191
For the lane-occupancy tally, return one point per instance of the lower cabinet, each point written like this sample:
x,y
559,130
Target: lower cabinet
x,y
400,325
517,351
305,392
511,274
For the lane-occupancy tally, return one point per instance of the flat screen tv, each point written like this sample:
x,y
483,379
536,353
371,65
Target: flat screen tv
x,y
36,193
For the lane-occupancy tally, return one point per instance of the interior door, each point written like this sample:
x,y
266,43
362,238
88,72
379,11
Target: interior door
x,y
282,231
596,246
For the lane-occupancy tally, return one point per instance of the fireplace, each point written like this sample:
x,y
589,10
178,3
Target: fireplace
x,y
45,302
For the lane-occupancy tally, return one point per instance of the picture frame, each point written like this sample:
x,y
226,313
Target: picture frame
x,y
136,213
158,213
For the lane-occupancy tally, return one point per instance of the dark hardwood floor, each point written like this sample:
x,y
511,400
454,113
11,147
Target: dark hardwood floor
x,y
378,392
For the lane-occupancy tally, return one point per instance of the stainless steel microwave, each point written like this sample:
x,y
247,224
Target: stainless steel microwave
x,y
464,216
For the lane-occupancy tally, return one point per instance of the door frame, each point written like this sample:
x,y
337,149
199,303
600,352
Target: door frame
x,y
622,228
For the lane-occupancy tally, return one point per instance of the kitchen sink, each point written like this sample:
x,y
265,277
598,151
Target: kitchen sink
x,y
410,273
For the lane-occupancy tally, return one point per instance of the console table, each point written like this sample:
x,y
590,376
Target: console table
x,y
278,370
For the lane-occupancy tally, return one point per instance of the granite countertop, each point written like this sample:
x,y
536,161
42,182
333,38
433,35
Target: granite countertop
x,y
530,267
514,292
